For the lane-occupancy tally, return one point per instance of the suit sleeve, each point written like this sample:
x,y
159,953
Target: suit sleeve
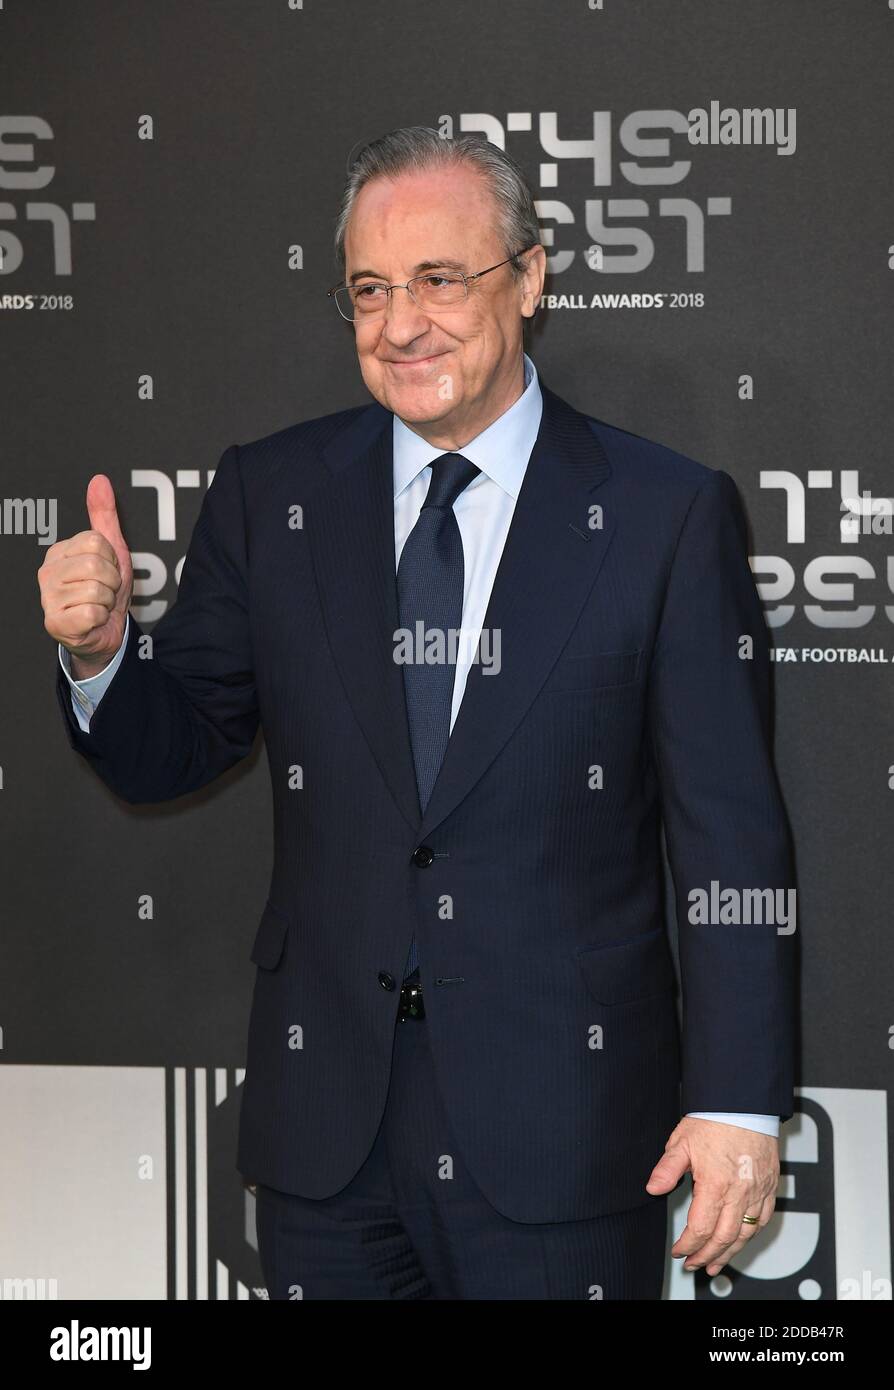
x,y
182,707
724,819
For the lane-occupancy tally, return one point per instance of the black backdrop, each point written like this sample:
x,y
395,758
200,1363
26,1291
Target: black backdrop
x,y
169,175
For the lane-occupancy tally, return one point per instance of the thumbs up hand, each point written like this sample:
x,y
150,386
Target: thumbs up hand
x,y
86,584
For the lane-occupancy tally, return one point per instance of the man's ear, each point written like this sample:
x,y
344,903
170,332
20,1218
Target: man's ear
x,y
533,280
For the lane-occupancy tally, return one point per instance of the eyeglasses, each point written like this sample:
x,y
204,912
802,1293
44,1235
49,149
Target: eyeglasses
x,y
367,298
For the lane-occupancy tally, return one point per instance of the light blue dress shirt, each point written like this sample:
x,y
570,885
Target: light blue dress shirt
x,y
483,513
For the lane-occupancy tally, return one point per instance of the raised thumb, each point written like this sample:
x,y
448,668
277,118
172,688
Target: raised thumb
x,y
103,513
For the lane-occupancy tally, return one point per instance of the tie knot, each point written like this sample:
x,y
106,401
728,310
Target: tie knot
x,y
450,475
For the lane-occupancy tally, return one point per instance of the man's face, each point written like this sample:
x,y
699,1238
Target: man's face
x,y
447,372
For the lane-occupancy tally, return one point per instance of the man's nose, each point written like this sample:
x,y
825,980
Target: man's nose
x,y
404,320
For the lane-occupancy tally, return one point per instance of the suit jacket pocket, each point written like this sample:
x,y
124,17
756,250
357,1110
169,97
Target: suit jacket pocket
x,y
270,936
593,671
629,971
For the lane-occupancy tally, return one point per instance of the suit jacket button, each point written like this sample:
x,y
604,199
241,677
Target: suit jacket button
x,y
423,856
385,980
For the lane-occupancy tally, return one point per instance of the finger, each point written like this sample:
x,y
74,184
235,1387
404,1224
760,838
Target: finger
x,y
730,1237
75,569
88,543
81,621
747,1232
701,1220
89,591
726,1230
713,1267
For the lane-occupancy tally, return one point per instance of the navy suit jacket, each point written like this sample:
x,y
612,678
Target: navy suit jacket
x,y
629,691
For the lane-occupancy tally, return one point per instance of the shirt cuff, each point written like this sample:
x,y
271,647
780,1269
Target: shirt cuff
x,y
87,693
764,1124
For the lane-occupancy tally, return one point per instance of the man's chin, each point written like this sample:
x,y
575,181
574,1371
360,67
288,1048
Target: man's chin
x,y
416,404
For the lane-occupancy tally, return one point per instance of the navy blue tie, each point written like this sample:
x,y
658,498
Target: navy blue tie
x,y
430,591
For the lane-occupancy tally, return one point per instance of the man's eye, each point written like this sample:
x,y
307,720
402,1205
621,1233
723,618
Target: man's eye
x,y
438,282
368,291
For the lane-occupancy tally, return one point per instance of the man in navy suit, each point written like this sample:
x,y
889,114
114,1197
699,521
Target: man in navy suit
x,y
494,644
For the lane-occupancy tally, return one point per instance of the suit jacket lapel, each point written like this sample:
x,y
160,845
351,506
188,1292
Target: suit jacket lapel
x,y
549,564
350,527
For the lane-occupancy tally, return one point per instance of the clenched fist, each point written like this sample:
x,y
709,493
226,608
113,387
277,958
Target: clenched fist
x,y
86,583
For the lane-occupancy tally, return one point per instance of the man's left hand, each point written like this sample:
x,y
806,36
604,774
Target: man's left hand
x,y
735,1173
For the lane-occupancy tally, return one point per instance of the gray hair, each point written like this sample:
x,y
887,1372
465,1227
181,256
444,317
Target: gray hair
x,y
420,147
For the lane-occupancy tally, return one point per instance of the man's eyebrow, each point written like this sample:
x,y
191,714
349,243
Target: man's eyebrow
x,y
445,264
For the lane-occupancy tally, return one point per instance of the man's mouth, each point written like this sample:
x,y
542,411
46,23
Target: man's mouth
x,y
415,361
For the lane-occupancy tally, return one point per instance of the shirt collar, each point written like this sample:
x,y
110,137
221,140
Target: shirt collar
x,y
501,451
